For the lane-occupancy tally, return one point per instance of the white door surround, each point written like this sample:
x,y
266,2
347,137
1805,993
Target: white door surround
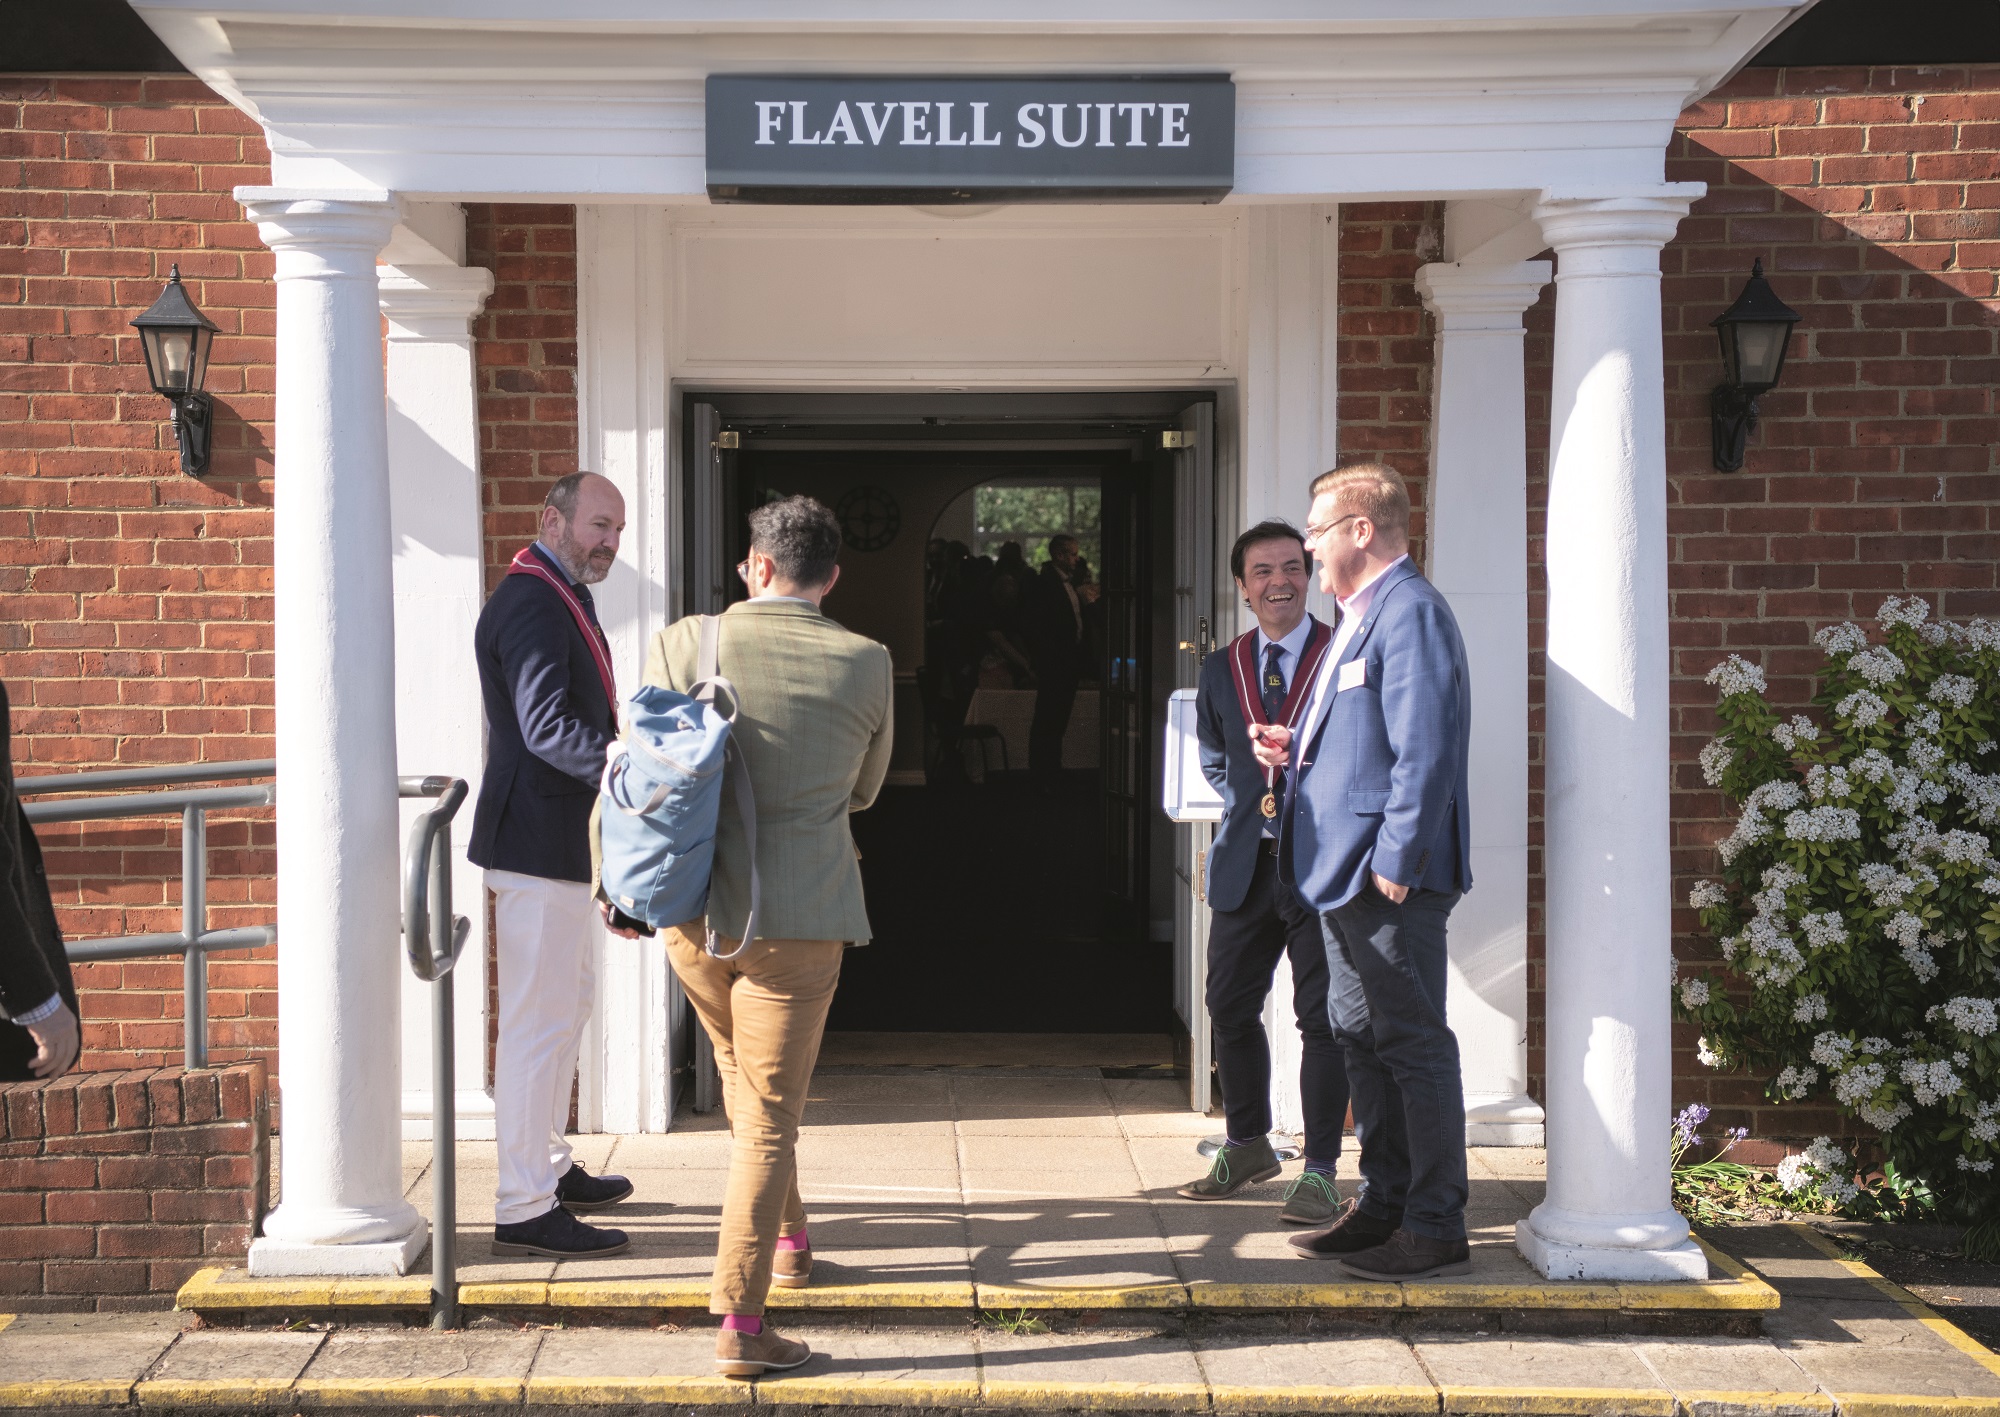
x,y
1544,122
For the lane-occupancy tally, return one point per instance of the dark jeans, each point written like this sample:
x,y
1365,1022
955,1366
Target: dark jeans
x,y
1055,695
1243,949
1386,989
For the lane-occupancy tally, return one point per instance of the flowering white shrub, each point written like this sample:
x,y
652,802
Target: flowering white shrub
x,y
1858,910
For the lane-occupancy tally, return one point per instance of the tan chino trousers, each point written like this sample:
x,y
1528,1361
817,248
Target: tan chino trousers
x,y
764,1011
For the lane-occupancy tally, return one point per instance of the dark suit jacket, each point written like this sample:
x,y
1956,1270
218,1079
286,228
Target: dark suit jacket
x,y
1382,784
32,963
548,722
1054,641
1229,766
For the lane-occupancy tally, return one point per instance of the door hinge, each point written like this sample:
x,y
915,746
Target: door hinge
x,y
729,438
1176,438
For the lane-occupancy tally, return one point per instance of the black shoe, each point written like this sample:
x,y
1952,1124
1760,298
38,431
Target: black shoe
x,y
1407,1256
559,1235
579,1190
1352,1231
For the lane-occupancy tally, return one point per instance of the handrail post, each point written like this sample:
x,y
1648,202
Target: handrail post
x,y
444,1100
194,923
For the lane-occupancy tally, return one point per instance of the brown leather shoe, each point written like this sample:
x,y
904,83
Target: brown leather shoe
x,y
749,1355
1351,1232
792,1269
1406,1255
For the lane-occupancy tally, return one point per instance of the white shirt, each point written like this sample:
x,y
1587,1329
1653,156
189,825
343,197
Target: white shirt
x,y
1352,611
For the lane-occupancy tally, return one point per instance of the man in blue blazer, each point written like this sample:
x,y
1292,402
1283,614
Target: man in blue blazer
x,y
545,674
1264,676
1377,840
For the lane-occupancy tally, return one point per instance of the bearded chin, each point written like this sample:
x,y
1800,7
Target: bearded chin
x,y
590,573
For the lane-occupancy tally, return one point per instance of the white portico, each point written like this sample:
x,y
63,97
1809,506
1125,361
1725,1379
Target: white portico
x,y
1543,123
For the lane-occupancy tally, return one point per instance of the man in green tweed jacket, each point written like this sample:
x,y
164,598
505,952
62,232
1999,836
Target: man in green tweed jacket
x,y
814,728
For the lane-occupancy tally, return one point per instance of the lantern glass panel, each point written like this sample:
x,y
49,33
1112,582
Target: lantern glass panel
x,y
169,356
1760,350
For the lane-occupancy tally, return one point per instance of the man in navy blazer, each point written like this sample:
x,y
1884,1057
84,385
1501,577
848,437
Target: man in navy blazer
x,y
1264,675
545,674
1377,840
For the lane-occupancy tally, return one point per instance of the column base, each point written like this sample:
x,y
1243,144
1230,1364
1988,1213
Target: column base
x,y
378,1260
1561,1260
1501,1119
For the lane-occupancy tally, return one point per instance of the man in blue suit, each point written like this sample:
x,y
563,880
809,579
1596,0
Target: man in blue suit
x,y
1264,676
545,674
1377,840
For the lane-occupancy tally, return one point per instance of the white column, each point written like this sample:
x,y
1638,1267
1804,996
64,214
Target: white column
x,y
1289,431
1476,523
435,528
339,953
624,266
1607,1214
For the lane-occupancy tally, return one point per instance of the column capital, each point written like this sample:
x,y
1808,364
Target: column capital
x,y
1481,297
1614,230
322,233
432,304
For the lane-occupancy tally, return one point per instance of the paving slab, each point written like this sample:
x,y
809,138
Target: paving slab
x,y
1108,1157
862,1368
229,1367
1734,1377
1079,1121
1488,1373
1102,1369
1313,1373
600,1366
419,1367
78,1360
925,1090
1849,1370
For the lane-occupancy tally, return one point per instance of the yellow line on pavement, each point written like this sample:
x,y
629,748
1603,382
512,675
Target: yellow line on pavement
x,y
1913,1306
1389,1398
71,1392
1562,1401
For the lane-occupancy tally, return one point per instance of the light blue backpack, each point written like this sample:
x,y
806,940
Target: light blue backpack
x,y
661,799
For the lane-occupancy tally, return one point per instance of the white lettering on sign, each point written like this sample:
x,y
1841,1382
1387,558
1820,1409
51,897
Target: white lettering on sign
x,y
926,123
768,119
1029,124
979,138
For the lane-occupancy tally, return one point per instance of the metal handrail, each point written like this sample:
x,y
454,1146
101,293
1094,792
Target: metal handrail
x,y
434,938
194,941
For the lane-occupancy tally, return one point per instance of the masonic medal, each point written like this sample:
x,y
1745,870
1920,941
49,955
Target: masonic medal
x,y
1270,805
1242,667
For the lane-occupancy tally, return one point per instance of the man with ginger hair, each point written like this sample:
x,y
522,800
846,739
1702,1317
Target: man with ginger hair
x,y
1376,838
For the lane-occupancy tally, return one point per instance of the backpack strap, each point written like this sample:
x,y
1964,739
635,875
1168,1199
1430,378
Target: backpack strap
x,y
708,684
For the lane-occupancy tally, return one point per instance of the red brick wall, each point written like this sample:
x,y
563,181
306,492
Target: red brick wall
x,y
135,601
116,1186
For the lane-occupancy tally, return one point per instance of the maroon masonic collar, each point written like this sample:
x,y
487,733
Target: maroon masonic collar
x,y
1243,669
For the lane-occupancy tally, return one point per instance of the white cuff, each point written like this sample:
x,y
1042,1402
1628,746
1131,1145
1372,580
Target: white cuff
x,y
47,1009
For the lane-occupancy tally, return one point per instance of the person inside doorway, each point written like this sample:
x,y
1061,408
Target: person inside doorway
x,y
1264,676
1056,635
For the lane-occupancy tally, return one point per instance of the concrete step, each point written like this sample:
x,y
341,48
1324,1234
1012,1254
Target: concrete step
x,y
1733,1302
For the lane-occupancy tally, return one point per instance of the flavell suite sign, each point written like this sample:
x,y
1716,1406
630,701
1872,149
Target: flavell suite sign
x,y
1161,138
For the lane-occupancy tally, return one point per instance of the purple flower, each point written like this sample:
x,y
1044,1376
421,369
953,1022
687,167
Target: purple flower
x,y
1685,1122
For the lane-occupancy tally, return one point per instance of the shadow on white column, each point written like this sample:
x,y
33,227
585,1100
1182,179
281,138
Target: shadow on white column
x,y
1477,524
439,588
339,953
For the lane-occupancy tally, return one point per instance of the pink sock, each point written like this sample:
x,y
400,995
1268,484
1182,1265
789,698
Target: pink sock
x,y
794,1242
744,1323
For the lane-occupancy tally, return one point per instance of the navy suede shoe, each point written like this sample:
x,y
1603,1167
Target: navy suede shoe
x,y
559,1235
579,1190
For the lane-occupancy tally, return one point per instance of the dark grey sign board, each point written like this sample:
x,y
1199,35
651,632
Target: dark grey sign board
x,y
819,139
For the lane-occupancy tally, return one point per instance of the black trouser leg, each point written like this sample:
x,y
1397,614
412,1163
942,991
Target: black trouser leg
x,y
1243,949
1055,695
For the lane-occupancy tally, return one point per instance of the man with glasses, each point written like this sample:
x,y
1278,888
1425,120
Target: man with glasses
x,y
1376,839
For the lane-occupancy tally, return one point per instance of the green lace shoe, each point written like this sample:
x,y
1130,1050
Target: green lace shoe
x,y
1312,1199
1235,1167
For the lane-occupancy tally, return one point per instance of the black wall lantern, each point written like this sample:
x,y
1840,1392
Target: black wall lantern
x,y
1754,333
176,337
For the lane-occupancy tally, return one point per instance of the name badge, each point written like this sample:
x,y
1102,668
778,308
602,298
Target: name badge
x,y
1352,674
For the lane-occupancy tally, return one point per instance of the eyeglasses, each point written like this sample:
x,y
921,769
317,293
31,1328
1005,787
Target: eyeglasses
x,y
1314,533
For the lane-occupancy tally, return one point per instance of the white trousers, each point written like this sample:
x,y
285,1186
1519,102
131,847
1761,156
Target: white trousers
x,y
545,931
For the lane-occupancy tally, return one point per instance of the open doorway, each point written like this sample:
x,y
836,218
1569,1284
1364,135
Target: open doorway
x,y
1019,558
